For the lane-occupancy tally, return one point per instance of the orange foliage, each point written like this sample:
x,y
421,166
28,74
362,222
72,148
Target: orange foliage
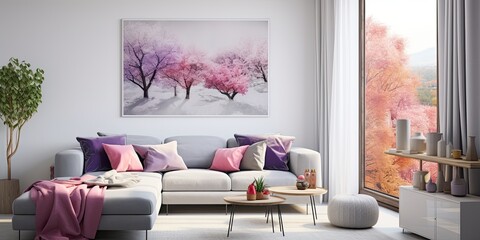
x,y
390,94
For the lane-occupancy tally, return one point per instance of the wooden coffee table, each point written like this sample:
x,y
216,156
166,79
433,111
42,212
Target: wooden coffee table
x,y
293,191
269,203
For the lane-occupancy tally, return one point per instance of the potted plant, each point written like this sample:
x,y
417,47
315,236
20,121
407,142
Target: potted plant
x,y
260,187
20,95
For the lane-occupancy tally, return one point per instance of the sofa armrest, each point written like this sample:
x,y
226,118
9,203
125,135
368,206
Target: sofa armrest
x,y
69,163
303,158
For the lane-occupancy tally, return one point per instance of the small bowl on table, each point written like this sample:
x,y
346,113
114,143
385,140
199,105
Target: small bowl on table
x,y
302,185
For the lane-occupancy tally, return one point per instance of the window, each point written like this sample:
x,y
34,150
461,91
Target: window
x,y
398,42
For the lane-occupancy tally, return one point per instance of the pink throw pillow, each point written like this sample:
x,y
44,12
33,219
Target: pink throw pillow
x,y
160,158
123,157
228,159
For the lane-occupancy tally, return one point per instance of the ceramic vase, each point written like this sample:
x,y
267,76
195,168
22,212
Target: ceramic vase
x,y
418,143
430,186
440,179
471,149
448,179
432,140
441,148
458,185
403,134
419,179
448,150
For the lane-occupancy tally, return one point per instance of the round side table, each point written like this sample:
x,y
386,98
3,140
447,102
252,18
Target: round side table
x,y
293,191
269,203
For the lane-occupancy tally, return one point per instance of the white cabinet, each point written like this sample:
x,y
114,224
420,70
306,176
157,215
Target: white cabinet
x,y
417,212
438,215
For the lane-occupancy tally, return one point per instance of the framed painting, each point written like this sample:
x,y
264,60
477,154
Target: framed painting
x,y
194,67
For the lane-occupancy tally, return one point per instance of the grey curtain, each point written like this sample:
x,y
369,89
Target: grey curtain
x,y
459,76
324,57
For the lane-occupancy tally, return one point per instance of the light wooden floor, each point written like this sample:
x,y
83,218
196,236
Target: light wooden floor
x,y
210,222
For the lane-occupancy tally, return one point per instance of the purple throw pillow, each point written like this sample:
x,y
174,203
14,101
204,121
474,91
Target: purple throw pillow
x,y
95,157
278,146
161,157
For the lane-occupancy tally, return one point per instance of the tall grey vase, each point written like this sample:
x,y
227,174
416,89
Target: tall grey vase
x,y
440,178
471,149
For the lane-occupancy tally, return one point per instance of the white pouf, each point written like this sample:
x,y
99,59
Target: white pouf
x,y
353,211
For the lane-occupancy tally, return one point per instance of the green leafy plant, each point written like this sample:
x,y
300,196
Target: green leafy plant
x,y
20,96
259,184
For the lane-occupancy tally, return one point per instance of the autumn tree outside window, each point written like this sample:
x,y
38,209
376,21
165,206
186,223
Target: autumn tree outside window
x,y
399,81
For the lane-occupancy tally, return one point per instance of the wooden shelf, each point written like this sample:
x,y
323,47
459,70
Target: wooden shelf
x,y
442,160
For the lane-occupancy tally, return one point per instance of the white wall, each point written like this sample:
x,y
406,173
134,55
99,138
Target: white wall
x,y
77,43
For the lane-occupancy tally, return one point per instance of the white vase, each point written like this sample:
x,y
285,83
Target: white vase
x,y
441,148
432,140
419,179
403,134
418,143
448,150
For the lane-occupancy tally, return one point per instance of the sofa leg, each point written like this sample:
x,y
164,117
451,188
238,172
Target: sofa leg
x,y
146,234
18,234
226,209
166,210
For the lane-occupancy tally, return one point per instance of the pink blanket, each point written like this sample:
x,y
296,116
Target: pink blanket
x,y
67,209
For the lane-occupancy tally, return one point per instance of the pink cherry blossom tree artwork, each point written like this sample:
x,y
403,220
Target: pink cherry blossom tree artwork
x,y
194,67
229,76
187,72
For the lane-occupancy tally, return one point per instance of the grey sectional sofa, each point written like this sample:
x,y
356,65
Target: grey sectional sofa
x,y
136,208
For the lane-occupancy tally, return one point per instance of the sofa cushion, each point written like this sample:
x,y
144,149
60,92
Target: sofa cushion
x,y
278,146
273,178
161,157
123,157
228,159
140,199
254,157
196,180
94,155
198,151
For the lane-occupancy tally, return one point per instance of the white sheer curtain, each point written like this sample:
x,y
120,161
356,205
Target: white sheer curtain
x,y
337,94
344,124
324,57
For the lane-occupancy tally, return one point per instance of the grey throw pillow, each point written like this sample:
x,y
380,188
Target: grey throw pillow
x,y
254,157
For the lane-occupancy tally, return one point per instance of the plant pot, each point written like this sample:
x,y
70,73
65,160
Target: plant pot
x,y
9,191
251,197
259,196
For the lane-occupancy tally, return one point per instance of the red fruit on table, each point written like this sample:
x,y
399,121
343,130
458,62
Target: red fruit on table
x,y
301,177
